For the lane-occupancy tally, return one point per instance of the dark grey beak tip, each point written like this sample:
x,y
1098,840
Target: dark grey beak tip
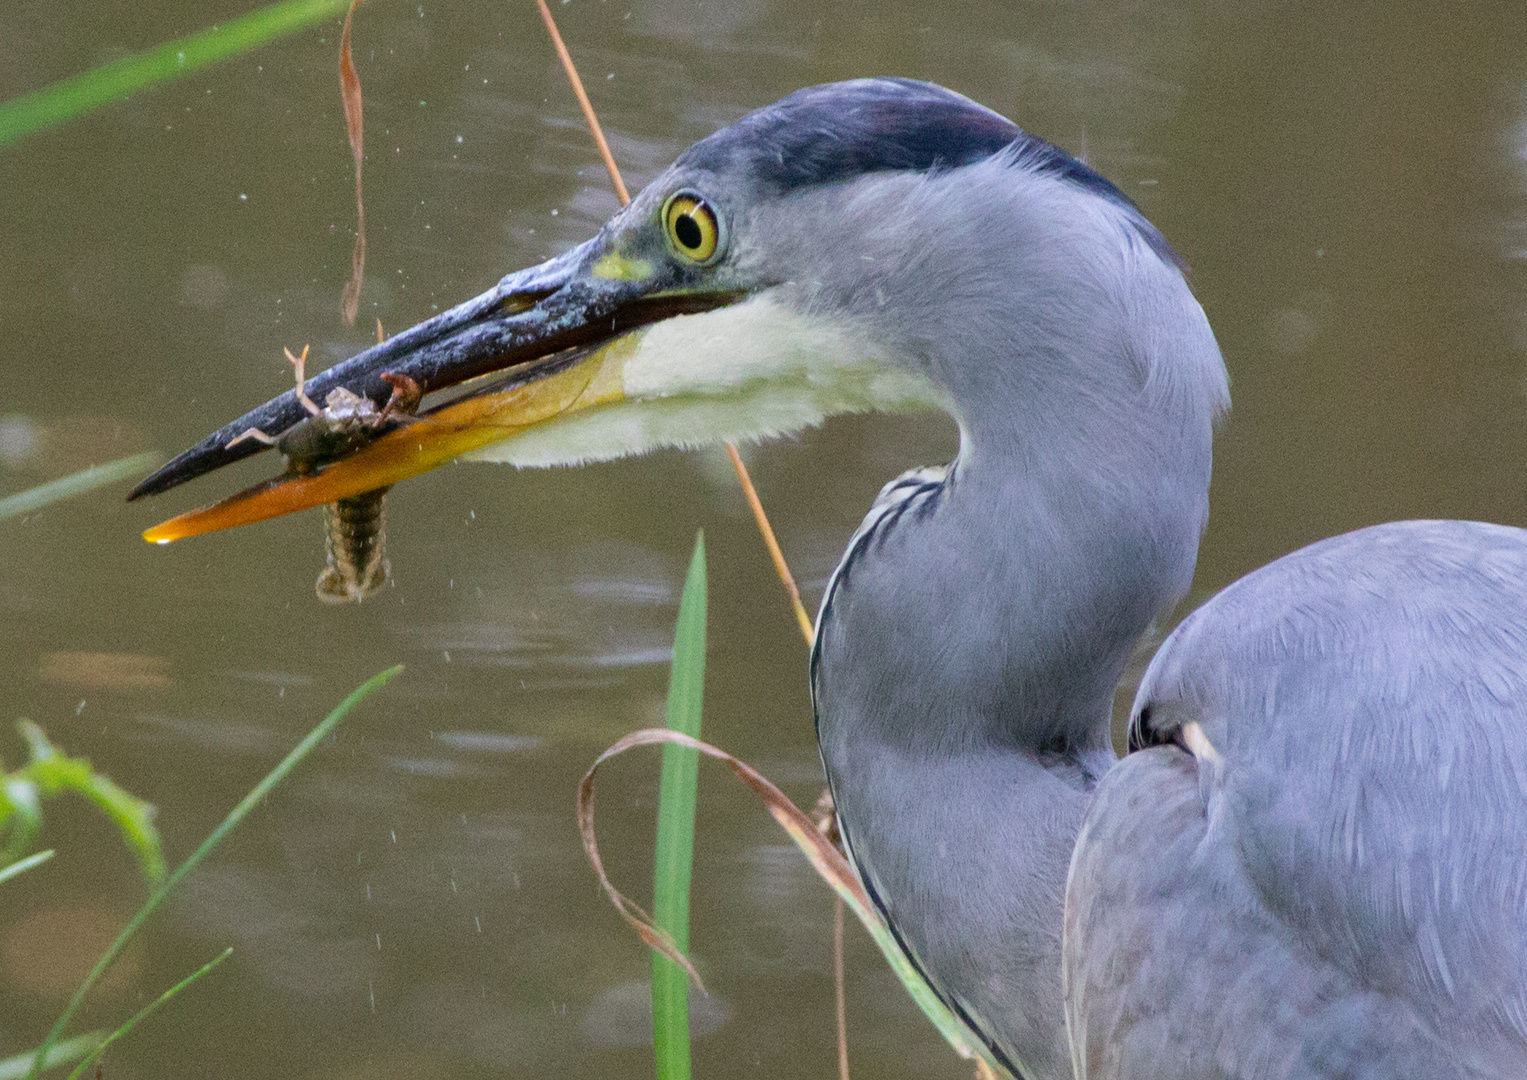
x,y
211,453
452,347
408,353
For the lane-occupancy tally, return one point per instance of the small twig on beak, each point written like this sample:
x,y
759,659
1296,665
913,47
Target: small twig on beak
x,y
299,369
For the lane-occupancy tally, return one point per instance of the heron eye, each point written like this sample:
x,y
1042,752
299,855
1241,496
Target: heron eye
x,y
693,229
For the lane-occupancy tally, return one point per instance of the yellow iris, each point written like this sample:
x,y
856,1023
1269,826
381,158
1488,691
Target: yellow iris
x,y
693,231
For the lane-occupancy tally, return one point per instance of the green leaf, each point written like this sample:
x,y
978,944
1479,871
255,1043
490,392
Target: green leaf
x,y
21,866
228,824
20,814
78,94
25,502
14,1068
50,773
673,859
134,819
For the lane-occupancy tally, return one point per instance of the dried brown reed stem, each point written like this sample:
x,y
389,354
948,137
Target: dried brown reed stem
x,y
350,93
583,100
838,997
825,816
829,863
780,566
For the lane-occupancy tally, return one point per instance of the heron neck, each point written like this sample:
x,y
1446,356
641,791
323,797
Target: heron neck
x,y
969,651
969,648
997,610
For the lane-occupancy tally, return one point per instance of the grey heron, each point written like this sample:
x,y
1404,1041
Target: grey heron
x,y
1313,864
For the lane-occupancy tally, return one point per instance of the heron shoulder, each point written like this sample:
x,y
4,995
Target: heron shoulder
x,y
1166,933
1406,623
1367,697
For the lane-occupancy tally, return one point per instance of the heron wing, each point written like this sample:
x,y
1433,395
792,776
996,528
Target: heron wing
x,y
1341,890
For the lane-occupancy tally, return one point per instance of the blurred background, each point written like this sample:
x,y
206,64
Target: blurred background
x,y
1348,182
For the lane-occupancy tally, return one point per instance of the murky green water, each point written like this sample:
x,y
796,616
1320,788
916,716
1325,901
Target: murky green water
x,y
1348,181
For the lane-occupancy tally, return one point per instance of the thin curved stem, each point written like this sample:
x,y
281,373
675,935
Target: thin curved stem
x,y
837,986
780,566
583,101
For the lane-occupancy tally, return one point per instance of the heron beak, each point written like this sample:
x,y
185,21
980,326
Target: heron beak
x,y
558,334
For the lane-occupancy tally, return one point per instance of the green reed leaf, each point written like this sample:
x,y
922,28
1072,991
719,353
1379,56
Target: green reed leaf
x,y
78,94
15,1067
25,502
673,860
21,866
144,1013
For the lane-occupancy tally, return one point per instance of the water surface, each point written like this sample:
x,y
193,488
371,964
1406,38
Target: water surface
x,y
1349,183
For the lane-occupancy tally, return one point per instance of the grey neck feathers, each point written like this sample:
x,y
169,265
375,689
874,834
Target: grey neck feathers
x,y
999,609
970,643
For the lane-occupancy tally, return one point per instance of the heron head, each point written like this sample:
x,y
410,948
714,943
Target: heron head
x,y
827,254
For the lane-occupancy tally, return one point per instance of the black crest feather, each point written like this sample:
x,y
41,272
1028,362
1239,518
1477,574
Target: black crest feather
x,y
835,132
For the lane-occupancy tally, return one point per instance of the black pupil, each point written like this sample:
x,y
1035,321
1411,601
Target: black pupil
x,y
688,231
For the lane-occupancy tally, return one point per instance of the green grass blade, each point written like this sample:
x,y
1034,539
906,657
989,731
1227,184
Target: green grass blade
x,y
143,1013
14,1068
236,815
78,94
955,1033
52,772
674,856
24,502
133,818
21,866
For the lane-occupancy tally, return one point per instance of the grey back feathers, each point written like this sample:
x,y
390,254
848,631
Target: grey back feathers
x,y
1358,850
